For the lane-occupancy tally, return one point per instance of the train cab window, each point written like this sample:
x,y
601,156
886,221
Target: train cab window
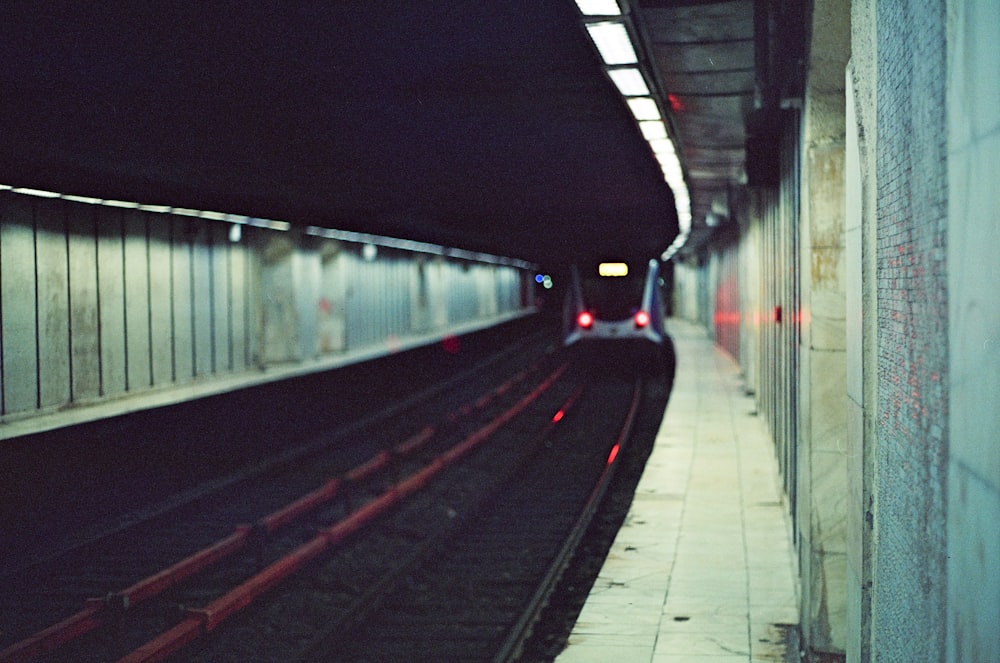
x,y
612,297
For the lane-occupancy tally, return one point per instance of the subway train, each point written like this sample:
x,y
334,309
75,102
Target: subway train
x,y
615,310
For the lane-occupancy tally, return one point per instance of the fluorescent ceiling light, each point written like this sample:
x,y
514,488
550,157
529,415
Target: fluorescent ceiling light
x,y
35,192
652,129
629,82
599,7
672,169
643,108
684,221
612,42
663,147
161,209
125,204
82,199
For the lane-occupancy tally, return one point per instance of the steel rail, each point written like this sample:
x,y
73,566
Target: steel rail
x,y
521,631
199,621
97,611
371,598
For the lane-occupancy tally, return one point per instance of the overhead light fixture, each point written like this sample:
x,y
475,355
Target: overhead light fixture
x,y
38,193
88,200
613,42
629,82
681,196
124,204
653,129
214,216
672,171
643,108
599,7
663,147
160,209
676,246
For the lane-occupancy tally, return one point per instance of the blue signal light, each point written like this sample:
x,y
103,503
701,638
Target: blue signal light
x,y
539,278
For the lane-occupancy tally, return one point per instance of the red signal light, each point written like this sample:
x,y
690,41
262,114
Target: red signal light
x,y
641,319
585,319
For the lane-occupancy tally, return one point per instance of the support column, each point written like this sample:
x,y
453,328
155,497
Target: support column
x,y
822,458
862,324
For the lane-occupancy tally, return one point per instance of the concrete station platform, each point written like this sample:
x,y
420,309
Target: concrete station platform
x,y
703,569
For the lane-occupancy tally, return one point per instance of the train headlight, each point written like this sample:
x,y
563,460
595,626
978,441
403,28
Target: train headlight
x,y
641,319
585,320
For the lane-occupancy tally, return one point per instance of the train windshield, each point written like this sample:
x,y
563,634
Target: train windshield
x,y
612,297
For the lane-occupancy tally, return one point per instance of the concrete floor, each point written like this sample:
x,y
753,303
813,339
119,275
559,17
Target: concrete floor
x,y
703,570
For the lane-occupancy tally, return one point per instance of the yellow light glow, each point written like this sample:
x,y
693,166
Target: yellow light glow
x,y
612,269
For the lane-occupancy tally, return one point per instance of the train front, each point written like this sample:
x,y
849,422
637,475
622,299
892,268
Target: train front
x,y
614,305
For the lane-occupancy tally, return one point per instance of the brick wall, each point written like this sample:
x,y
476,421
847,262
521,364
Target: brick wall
x,y
910,474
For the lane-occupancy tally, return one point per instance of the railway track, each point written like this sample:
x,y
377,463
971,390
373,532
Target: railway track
x,y
474,592
439,493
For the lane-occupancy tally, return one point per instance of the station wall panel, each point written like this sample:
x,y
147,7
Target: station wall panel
x,y
201,302
332,300
104,305
160,285
17,309
137,304
52,297
111,297
181,298
84,297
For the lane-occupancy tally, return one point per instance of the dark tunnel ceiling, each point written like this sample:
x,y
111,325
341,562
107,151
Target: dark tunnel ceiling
x,y
482,125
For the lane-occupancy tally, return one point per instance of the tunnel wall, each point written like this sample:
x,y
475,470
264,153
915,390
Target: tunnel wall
x,y
791,278
912,574
105,309
688,278
724,275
